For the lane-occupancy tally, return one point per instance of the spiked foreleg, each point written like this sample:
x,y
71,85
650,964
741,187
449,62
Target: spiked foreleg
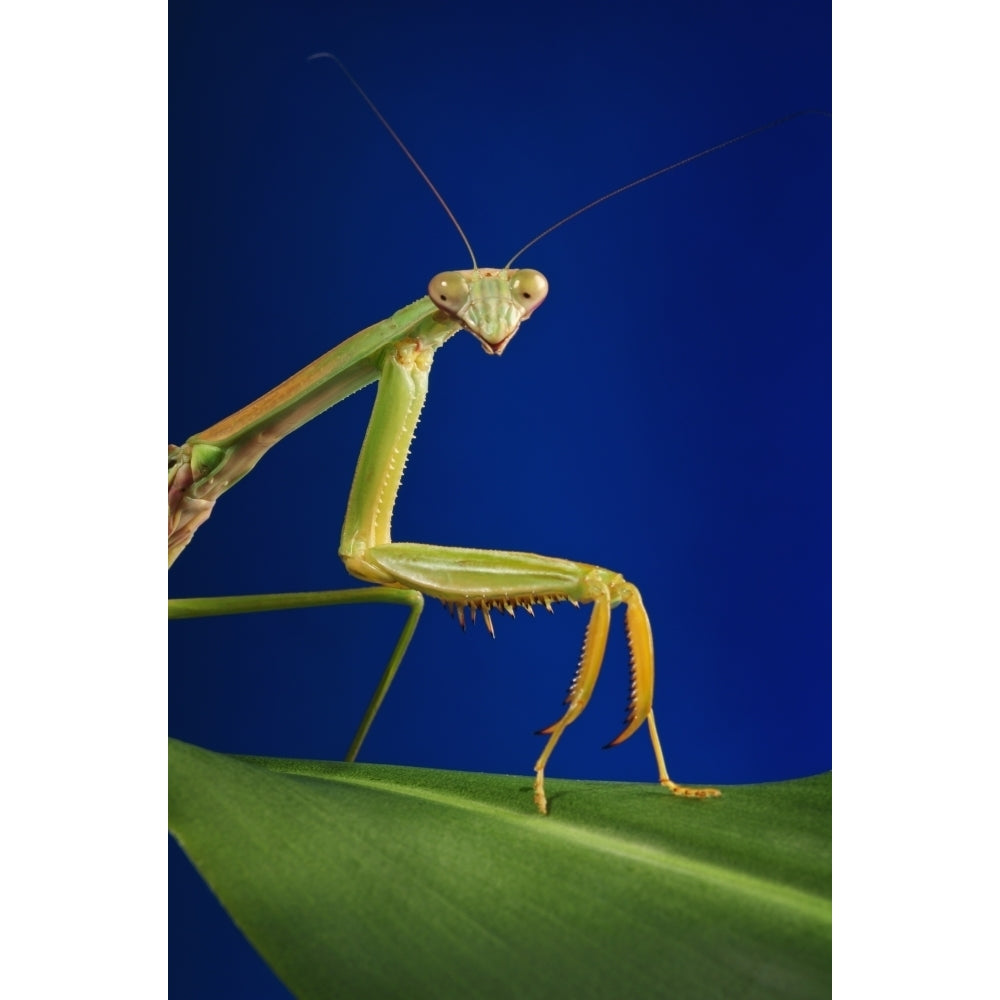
x,y
580,690
640,645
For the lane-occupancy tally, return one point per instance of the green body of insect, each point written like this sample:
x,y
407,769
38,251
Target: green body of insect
x,y
398,353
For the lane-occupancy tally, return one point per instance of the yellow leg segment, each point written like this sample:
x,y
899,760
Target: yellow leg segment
x,y
580,690
683,790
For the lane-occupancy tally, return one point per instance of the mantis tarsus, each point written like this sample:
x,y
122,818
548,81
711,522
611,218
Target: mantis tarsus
x,y
490,303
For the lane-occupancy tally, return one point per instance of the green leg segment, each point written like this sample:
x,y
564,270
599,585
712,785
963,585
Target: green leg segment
x,y
205,607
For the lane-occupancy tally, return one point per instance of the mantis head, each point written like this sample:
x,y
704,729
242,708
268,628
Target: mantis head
x,y
490,304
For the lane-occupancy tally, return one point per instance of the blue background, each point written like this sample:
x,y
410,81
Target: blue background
x,y
666,413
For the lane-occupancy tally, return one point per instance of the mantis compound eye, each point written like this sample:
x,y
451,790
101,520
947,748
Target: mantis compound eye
x,y
529,288
449,290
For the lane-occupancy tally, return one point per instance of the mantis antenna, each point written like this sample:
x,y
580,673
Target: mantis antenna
x,y
572,215
657,173
402,145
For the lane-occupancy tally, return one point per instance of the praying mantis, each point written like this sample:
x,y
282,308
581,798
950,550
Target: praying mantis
x,y
491,304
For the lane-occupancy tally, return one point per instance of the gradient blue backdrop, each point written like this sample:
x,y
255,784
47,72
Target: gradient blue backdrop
x,y
666,413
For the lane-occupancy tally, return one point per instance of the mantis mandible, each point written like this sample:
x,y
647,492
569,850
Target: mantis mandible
x,y
491,304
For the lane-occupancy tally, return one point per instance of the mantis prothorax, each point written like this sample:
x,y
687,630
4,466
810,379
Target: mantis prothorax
x,y
491,304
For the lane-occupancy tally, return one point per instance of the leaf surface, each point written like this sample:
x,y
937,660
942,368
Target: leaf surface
x,y
377,881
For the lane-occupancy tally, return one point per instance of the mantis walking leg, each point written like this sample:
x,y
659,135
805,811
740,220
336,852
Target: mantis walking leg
x,y
204,607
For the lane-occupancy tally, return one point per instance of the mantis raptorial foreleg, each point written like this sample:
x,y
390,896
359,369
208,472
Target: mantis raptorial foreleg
x,y
491,304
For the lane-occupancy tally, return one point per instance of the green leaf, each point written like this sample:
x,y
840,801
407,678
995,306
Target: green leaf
x,y
357,880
